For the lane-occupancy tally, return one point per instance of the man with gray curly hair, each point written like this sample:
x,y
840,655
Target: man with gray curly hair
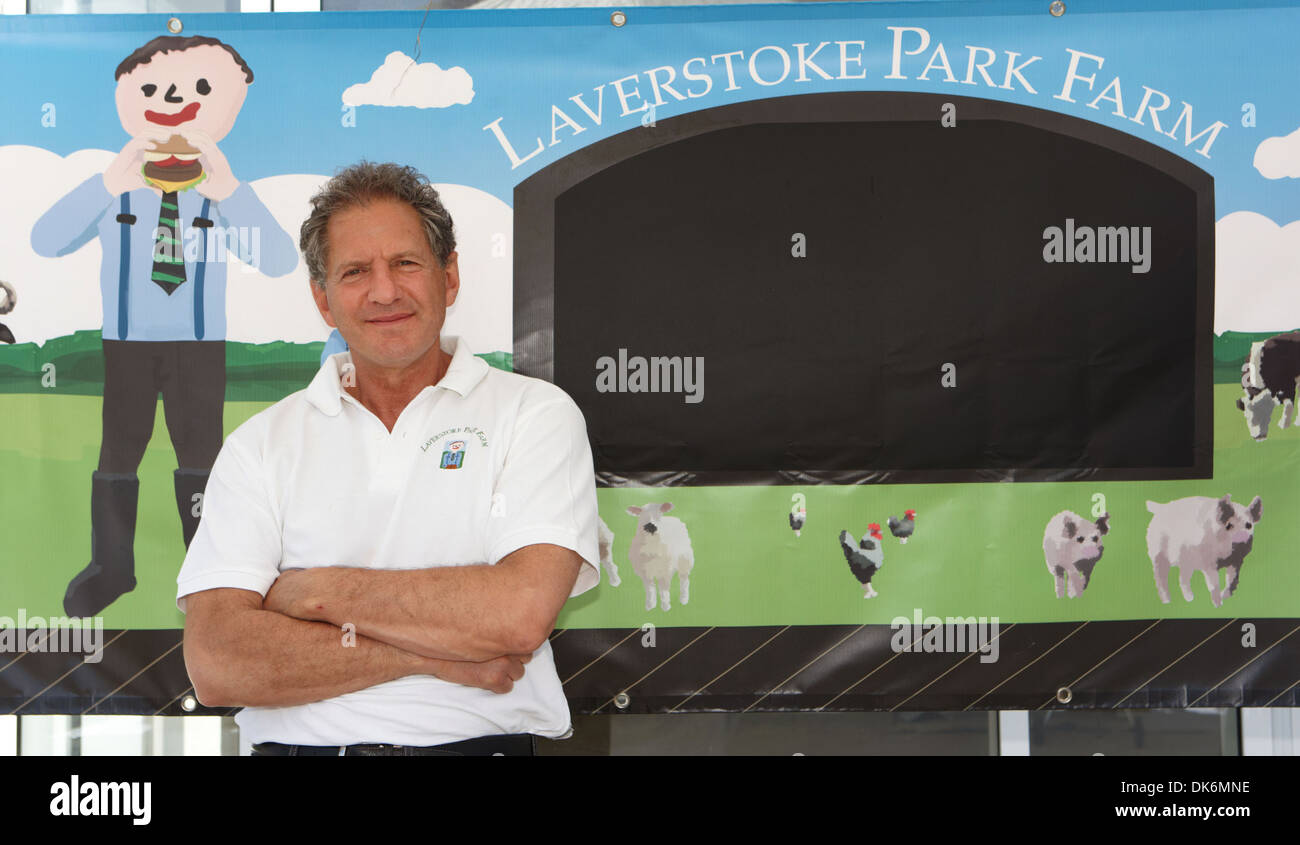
x,y
382,555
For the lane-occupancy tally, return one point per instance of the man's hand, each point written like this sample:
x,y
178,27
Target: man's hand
x,y
291,594
497,675
125,172
220,182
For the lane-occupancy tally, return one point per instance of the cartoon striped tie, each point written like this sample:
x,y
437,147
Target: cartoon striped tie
x,y
168,256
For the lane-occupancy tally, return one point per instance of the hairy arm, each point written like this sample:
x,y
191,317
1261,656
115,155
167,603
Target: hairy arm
x,y
239,654
461,613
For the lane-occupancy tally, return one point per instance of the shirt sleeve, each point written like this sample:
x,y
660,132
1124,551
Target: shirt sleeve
x,y
546,492
73,221
239,540
269,249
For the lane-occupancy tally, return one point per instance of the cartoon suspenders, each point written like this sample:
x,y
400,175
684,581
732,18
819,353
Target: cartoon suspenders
x,y
127,219
201,222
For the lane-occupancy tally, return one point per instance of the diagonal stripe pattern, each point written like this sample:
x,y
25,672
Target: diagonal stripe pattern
x,y
1129,663
168,254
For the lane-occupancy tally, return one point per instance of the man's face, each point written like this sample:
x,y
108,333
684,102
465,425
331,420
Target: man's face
x,y
384,289
200,88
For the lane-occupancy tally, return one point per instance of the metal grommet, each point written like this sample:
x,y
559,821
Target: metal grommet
x,y
618,18
174,25
1064,695
1057,8
622,700
189,703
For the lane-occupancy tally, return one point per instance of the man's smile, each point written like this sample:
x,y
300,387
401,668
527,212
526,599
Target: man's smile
x,y
183,116
390,319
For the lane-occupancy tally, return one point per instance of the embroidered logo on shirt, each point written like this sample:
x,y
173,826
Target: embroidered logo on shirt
x,y
458,444
453,454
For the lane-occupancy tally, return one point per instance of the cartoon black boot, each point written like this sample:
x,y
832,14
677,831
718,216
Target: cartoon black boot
x,y
111,571
190,484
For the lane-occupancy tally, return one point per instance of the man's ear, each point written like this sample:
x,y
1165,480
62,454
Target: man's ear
x,y
322,304
452,269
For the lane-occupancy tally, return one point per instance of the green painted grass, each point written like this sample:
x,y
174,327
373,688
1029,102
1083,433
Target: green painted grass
x,y
977,550
49,450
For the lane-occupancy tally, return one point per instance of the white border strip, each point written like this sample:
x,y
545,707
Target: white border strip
x,y
1270,731
1013,733
8,736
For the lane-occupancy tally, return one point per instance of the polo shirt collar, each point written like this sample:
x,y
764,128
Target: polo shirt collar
x,y
465,371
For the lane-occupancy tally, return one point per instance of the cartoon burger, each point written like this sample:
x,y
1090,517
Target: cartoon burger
x,y
173,165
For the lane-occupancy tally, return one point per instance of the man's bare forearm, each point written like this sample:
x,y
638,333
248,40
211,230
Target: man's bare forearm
x,y
262,658
451,612
252,657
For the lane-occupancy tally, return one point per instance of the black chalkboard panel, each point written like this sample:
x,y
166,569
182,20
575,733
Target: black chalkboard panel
x,y
848,290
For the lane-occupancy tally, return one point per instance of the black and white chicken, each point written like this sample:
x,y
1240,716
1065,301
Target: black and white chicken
x,y
865,558
903,528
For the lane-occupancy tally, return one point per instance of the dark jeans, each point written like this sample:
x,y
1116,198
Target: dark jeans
x,y
508,745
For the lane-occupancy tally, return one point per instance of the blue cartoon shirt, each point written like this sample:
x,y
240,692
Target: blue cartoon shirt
x,y
139,309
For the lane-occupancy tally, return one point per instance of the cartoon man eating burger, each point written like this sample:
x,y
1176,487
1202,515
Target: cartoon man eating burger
x,y
166,210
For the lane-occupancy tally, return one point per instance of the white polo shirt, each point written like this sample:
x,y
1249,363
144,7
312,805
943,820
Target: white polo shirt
x,y
477,466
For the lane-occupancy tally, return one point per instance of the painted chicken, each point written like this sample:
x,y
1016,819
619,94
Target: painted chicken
x,y
797,519
903,528
865,558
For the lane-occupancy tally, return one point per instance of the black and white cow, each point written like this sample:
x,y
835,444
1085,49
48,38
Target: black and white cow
x,y
8,299
1269,379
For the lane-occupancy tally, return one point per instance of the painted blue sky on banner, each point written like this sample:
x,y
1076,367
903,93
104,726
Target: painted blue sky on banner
x,y
487,98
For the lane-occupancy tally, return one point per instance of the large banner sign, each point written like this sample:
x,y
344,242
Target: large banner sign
x,y
933,354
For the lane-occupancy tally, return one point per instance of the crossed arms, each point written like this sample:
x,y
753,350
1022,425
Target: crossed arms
x,y
472,625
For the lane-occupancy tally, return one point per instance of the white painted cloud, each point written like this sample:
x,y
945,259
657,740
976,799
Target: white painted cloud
x,y
57,296
1279,157
399,81
260,309
1257,274
485,236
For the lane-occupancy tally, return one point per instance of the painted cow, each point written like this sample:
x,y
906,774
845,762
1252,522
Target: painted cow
x,y
1269,380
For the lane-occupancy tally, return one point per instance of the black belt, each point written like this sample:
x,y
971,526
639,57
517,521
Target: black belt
x,y
508,745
